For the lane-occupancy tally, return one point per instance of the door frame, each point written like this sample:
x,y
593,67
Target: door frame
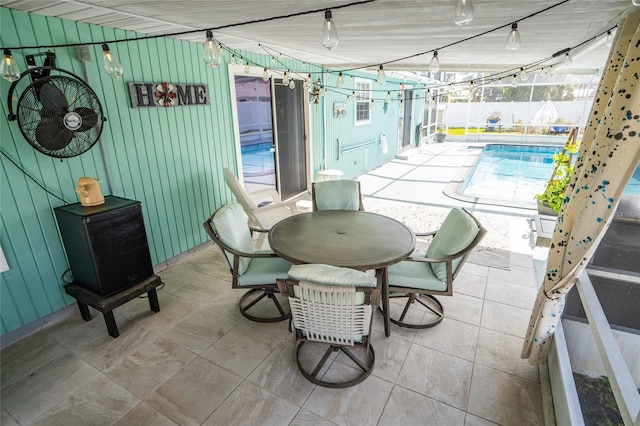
x,y
237,69
401,114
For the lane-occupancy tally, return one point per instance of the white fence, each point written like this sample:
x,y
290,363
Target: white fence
x,y
475,114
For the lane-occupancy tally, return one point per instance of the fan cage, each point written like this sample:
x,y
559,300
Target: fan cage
x,y
60,133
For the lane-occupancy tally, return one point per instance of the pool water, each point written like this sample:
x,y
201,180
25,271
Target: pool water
x,y
257,159
513,174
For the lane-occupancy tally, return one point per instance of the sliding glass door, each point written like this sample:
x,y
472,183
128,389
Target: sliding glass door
x,y
271,127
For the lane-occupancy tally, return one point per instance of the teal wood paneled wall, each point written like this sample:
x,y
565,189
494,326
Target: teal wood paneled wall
x,y
170,159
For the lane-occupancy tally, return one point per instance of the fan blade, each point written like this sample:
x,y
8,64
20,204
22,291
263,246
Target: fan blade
x,y
51,135
52,99
89,118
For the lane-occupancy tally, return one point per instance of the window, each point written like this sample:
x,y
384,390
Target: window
x,y
363,100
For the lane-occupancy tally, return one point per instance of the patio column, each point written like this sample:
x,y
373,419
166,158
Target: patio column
x,y
609,154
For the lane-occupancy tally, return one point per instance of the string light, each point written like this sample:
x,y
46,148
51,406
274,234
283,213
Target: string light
x,y
211,52
307,82
434,65
329,31
513,39
463,12
265,75
523,74
111,63
382,77
609,38
285,79
233,59
388,98
339,81
292,84
247,67
8,67
567,60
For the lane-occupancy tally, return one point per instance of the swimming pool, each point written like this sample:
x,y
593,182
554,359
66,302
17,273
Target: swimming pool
x,y
511,175
257,159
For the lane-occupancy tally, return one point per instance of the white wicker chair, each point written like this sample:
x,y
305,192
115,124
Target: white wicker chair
x,y
331,305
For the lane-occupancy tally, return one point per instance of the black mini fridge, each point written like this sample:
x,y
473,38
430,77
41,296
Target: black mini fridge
x,y
106,245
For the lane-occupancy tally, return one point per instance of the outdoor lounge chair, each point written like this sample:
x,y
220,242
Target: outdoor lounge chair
x,y
262,216
342,194
423,275
331,305
256,271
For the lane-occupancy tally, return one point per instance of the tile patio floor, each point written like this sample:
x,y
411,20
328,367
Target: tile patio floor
x,y
198,361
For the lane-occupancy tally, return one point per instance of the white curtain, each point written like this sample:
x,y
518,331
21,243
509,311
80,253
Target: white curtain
x,y
609,154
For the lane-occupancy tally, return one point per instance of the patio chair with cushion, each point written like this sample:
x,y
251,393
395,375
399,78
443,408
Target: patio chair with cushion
x,y
331,306
254,270
423,275
342,194
264,208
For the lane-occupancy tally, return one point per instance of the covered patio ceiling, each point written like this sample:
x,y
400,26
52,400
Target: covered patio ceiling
x,y
380,31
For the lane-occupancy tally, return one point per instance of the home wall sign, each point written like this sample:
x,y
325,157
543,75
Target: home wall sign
x,y
167,94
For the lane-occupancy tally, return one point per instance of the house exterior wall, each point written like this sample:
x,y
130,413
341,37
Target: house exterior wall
x,y
170,159
342,131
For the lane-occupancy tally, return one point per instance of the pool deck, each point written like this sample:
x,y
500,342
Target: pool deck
x,y
415,191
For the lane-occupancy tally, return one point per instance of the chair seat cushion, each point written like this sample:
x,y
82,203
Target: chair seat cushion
x,y
331,275
456,233
418,275
264,271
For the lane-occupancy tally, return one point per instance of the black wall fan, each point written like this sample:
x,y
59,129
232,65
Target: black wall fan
x,y
59,115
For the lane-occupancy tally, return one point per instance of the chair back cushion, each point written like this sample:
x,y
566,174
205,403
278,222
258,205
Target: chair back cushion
x,y
331,275
337,195
230,224
456,233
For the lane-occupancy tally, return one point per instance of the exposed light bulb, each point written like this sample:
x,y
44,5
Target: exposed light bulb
x,y
353,95
463,13
371,104
610,38
513,39
349,98
388,98
523,74
329,31
382,77
307,82
265,75
432,102
304,65
340,81
285,79
233,59
321,92
273,60
434,65
472,91
8,67
111,63
567,60
292,84
514,80
247,67
211,53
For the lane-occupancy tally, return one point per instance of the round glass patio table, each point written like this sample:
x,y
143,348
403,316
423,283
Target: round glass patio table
x,y
350,239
